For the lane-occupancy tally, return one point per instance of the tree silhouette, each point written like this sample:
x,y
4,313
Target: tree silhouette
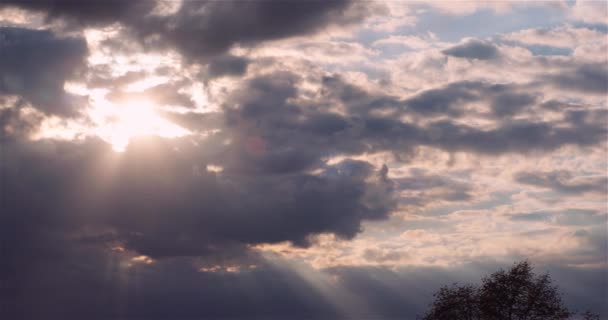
x,y
455,302
590,316
514,294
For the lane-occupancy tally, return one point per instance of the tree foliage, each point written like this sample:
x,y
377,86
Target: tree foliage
x,y
514,294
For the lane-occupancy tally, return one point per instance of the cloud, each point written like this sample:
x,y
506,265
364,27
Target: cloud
x,y
227,66
473,49
15,121
413,42
428,188
513,137
449,100
388,133
568,217
511,103
35,65
275,182
590,11
565,36
586,78
297,135
200,32
93,14
454,98
183,209
166,94
564,182
334,52
195,28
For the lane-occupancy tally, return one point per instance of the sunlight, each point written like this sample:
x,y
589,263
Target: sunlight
x,y
117,124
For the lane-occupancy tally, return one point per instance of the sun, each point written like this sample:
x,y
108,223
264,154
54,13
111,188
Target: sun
x,y
118,123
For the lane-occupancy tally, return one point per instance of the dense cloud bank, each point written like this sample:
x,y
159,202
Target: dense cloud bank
x,y
180,209
202,29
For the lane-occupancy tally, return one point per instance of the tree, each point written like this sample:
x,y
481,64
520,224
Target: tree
x,y
590,316
514,294
455,303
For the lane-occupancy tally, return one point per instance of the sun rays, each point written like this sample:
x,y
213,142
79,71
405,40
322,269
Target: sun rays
x,y
117,124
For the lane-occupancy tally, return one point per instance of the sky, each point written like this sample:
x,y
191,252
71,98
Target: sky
x,y
297,160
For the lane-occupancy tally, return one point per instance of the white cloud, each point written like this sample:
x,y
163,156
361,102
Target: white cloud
x,y
565,36
590,11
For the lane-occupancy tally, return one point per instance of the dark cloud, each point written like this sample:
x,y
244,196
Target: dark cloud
x,y
449,100
227,65
35,65
182,209
594,243
203,29
357,99
453,100
66,204
564,182
473,49
89,13
583,115
266,112
210,28
571,217
519,137
587,78
445,135
508,104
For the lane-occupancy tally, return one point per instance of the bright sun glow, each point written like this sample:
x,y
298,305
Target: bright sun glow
x,y
119,123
